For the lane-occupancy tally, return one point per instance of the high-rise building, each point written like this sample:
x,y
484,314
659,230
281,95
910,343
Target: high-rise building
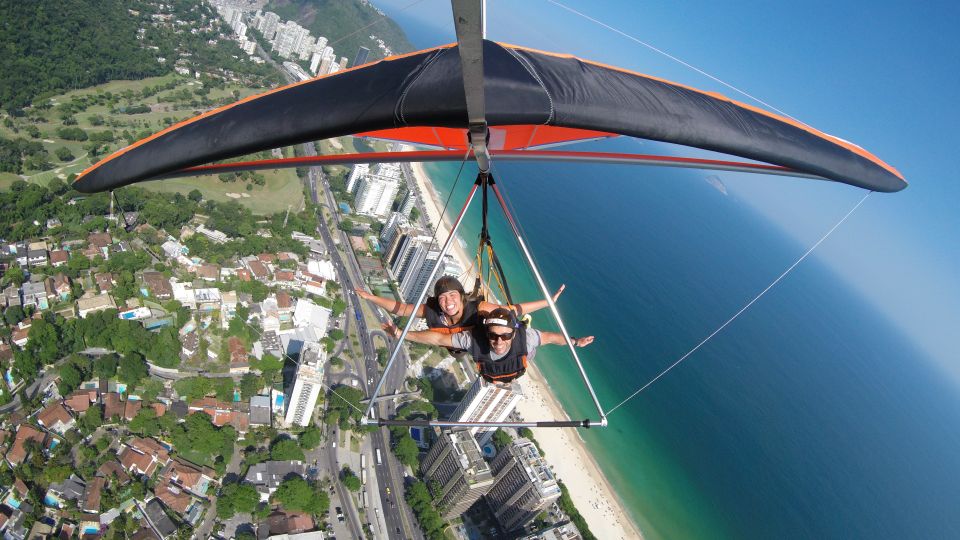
x,y
306,385
241,29
523,486
320,45
455,464
306,47
410,253
343,62
409,200
487,402
327,59
392,227
289,37
361,58
375,194
359,170
270,22
415,279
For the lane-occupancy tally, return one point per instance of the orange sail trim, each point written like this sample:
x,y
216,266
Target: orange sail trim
x,y
517,137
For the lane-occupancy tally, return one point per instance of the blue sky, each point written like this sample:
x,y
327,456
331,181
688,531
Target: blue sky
x,y
884,75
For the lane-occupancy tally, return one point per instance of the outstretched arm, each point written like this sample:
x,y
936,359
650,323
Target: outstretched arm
x,y
426,337
525,307
556,338
393,306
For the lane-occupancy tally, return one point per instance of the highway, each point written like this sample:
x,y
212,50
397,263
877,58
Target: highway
x,y
396,513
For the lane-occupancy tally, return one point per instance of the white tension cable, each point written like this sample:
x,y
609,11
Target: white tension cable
x,y
743,309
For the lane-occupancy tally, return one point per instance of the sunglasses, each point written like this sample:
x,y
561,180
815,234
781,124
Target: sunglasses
x,y
505,337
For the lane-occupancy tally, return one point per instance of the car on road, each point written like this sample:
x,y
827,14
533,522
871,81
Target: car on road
x,y
388,490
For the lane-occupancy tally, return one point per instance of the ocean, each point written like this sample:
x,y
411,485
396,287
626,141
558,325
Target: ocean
x,y
809,416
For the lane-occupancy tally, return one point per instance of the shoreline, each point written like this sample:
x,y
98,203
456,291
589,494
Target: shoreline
x,y
565,451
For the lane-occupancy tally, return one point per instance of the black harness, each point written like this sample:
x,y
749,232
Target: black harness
x,y
506,369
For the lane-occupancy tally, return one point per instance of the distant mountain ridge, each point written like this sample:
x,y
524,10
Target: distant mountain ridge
x,y
341,21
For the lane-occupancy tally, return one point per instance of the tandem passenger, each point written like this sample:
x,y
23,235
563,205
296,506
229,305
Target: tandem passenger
x,y
501,346
449,311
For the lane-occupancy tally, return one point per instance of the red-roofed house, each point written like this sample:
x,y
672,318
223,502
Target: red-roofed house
x,y
289,522
221,413
104,281
100,240
131,409
267,258
112,468
91,496
112,406
59,258
159,408
143,456
20,337
244,275
209,272
174,498
187,477
81,400
56,418
239,362
18,452
284,278
259,270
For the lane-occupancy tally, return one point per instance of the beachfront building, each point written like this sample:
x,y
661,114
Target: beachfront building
x,y
456,464
306,386
411,248
487,402
394,225
415,279
377,190
524,485
359,171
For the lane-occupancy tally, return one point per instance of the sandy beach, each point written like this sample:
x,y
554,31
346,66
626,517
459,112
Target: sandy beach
x,y
564,449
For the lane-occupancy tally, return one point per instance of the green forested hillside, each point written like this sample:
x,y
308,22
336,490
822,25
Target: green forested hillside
x,y
50,46
340,22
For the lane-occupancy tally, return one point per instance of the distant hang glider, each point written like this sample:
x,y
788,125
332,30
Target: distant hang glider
x,y
531,100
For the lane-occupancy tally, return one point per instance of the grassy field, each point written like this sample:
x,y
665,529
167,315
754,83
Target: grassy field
x,y
6,179
283,188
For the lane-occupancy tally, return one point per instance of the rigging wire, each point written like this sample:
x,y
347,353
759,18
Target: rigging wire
x,y
743,309
672,57
381,19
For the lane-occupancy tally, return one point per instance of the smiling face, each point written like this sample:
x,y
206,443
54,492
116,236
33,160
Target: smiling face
x,y
500,338
452,305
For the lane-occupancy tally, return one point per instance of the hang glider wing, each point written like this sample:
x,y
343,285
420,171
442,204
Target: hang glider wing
x,y
533,100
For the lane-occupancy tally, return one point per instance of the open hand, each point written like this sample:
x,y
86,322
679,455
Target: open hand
x,y
583,341
391,330
557,294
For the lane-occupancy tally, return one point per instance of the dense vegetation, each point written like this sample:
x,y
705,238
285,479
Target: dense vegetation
x,y
68,44
339,22
73,44
52,337
424,507
566,504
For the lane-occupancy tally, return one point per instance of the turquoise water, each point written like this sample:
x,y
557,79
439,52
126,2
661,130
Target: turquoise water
x,y
811,416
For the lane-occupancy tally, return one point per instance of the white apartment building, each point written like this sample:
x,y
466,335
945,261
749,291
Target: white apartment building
x,y
375,194
487,402
306,386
